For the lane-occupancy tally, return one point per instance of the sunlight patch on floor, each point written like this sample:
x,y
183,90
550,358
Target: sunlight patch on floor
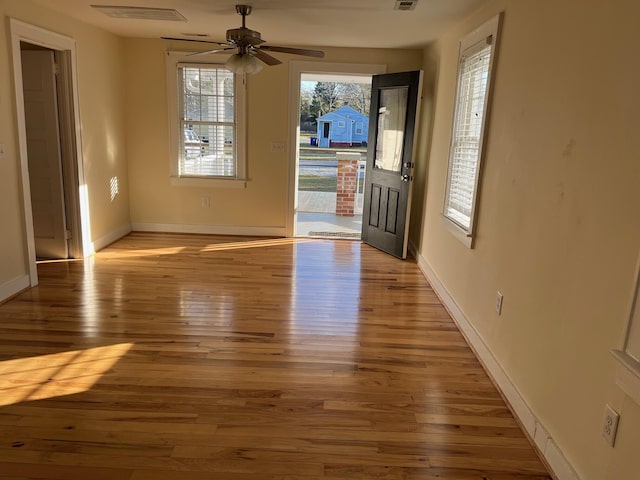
x,y
57,374
254,244
151,252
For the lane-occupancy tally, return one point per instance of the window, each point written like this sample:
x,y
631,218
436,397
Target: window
x,y
341,124
206,110
359,128
476,59
628,371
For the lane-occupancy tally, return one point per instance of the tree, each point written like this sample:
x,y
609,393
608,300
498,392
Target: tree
x,y
357,95
325,98
306,97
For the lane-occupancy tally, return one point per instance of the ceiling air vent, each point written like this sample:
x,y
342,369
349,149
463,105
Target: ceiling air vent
x,y
405,4
140,13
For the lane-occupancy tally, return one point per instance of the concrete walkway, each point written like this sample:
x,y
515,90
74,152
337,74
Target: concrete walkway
x,y
316,217
318,202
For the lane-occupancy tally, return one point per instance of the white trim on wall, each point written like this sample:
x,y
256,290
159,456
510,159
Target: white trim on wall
x,y
210,229
111,237
540,436
13,287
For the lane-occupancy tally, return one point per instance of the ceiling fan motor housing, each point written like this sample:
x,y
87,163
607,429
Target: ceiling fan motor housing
x,y
243,37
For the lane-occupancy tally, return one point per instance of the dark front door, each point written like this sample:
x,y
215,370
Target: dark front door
x,y
387,194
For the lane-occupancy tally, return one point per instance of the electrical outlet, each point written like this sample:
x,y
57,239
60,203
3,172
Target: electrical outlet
x,y
610,425
2,152
206,201
499,303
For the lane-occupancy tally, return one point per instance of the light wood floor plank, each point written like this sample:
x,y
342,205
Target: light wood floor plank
x,y
172,357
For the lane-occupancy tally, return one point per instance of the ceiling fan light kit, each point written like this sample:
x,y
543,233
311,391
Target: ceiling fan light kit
x,y
243,63
251,55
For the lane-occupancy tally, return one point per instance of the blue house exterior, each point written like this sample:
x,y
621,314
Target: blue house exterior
x,y
343,127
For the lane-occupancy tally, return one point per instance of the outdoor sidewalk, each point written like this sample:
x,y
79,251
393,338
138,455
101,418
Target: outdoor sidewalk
x,y
316,217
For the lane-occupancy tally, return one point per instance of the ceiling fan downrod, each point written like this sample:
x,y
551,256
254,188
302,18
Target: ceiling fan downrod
x,y
243,10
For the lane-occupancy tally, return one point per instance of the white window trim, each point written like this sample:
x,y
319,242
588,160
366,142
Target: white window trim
x,y
628,367
491,28
240,180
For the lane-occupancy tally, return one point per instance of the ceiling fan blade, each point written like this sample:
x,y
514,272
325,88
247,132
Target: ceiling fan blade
x,y
199,41
206,52
294,51
265,57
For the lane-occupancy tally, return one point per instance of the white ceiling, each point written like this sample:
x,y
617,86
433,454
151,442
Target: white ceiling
x,y
337,23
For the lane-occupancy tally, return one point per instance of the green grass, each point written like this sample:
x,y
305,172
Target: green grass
x,y
305,146
317,184
307,155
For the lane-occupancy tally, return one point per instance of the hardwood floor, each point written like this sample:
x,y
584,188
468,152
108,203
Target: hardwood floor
x,y
194,357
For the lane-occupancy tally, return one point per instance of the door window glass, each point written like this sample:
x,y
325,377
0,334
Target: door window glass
x,y
392,113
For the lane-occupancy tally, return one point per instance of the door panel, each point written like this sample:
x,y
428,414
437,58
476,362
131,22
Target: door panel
x,y
374,210
393,204
43,150
394,110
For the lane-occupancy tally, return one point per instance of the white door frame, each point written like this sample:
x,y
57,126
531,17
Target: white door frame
x,y
296,69
78,207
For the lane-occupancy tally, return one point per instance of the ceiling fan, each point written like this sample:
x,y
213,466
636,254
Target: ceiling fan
x,y
250,48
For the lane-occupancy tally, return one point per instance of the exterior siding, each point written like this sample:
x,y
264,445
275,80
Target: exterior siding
x,y
346,128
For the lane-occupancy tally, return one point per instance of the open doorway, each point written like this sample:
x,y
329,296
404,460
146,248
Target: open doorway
x,y
331,154
41,87
55,203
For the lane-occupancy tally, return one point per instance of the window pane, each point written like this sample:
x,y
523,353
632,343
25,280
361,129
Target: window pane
x,y
392,113
208,123
208,151
192,107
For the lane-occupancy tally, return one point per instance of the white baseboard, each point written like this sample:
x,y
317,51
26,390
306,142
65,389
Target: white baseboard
x,y
211,229
111,237
551,452
10,288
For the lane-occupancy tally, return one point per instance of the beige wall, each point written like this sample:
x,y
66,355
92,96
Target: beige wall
x,y
100,77
263,203
559,226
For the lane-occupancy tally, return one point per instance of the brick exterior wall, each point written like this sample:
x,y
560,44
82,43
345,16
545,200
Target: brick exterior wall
x,y
347,181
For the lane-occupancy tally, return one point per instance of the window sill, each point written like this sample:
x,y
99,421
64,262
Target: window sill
x,y
628,374
208,182
457,232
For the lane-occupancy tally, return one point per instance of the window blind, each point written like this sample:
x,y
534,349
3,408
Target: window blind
x,y
207,121
467,134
